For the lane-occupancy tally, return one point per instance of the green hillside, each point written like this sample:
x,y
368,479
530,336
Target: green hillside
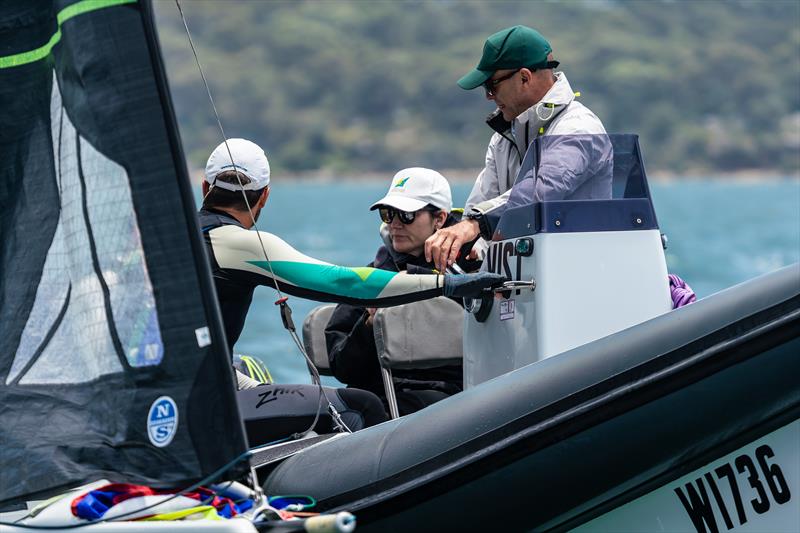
x,y
352,87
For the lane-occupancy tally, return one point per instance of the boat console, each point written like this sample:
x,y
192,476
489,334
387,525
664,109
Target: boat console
x,y
581,269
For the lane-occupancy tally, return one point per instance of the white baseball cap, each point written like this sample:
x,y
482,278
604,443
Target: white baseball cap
x,y
250,160
414,188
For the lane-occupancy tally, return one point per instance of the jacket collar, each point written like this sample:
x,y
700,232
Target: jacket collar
x,y
552,103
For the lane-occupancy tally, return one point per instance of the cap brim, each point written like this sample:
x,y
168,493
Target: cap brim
x,y
252,185
475,79
399,202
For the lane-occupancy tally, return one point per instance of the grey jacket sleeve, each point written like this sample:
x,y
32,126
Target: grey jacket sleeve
x,y
567,167
487,186
566,162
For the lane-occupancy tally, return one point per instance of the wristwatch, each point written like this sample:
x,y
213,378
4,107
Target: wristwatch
x,y
483,224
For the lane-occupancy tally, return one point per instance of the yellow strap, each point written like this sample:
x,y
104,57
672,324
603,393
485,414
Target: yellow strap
x,y
261,374
201,512
257,370
253,368
249,367
577,94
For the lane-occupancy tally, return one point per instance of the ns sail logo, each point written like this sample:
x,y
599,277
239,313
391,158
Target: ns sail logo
x,y
162,421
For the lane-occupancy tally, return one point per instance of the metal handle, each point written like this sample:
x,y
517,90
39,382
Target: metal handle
x,y
516,284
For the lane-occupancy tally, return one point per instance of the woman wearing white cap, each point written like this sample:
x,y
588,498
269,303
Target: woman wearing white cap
x,y
418,203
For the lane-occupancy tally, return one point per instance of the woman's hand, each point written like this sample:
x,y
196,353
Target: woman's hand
x,y
370,315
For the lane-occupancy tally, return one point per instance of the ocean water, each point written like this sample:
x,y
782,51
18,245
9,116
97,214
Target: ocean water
x,y
720,232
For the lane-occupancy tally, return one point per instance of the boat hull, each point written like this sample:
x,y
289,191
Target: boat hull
x,y
564,441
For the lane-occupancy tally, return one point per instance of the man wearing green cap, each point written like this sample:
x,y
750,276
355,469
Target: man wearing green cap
x,y
516,71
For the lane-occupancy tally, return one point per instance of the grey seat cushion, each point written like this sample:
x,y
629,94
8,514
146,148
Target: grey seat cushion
x,y
314,337
424,334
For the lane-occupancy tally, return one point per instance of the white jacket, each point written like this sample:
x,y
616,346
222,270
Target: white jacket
x,y
557,113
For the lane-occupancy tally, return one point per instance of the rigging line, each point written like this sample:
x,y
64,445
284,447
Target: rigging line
x,y
118,518
338,422
227,147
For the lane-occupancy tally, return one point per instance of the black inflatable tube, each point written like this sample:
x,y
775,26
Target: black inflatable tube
x,y
577,434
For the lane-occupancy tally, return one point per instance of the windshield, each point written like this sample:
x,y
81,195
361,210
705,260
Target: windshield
x,y
580,167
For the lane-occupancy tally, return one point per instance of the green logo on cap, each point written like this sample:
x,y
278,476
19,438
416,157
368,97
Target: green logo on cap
x,y
402,182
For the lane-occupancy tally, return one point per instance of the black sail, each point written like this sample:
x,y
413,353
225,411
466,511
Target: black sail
x,y
112,358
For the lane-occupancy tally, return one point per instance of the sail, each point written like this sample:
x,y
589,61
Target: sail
x,y
112,358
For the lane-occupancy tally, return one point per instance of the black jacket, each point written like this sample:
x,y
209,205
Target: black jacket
x,y
351,345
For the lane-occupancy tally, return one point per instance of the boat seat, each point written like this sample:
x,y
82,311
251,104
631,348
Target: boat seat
x,y
314,337
426,334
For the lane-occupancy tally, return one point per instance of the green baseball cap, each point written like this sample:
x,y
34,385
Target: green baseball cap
x,y
515,47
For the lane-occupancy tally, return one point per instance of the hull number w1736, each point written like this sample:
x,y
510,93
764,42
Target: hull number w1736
x,y
754,483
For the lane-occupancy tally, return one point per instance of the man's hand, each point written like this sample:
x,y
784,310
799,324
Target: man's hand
x,y
442,247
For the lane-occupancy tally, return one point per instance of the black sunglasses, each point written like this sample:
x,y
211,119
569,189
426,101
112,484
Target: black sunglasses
x,y
406,217
490,85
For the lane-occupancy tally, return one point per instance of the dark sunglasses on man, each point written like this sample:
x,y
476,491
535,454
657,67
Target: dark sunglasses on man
x,y
490,85
406,217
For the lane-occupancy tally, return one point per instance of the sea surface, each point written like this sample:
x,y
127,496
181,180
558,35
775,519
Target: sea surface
x,y
720,232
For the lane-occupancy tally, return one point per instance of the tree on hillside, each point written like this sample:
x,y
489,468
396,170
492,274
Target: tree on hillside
x,y
353,86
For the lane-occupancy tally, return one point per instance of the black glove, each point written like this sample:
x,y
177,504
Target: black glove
x,y
470,285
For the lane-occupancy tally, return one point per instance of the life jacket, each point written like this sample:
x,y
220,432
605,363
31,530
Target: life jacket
x,y
233,297
213,219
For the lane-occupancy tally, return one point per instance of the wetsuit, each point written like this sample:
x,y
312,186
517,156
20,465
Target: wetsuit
x,y
275,411
238,265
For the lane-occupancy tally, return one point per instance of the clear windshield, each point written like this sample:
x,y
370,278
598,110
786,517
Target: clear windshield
x,y
579,167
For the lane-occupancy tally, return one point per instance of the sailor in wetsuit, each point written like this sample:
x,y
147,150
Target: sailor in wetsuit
x,y
243,259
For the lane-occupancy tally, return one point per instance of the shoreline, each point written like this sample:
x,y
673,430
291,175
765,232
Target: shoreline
x,y
460,176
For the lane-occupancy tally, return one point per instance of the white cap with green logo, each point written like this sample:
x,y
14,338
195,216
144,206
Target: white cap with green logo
x,y
414,188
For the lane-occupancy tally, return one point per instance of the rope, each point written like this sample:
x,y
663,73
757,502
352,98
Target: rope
x,y
227,147
208,479
339,424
